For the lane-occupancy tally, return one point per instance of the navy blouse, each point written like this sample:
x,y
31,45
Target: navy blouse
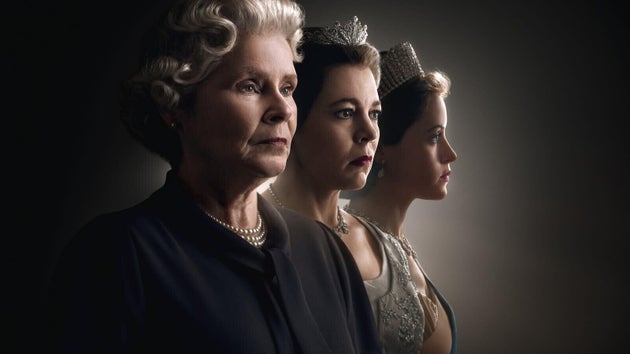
x,y
162,277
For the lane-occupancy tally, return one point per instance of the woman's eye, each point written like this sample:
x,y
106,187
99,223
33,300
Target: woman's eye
x,y
345,113
248,87
376,115
436,138
286,91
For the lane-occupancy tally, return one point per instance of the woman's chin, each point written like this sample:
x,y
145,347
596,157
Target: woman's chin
x,y
271,169
437,195
355,184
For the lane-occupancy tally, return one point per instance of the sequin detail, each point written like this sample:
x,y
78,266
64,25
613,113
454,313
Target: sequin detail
x,y
399,314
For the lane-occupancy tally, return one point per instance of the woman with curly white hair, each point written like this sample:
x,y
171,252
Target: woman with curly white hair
x,y
205,264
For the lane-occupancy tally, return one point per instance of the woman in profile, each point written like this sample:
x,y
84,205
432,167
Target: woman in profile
x,y
412,162
204,264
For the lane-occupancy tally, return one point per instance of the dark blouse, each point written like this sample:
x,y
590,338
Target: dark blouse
x,y
162,277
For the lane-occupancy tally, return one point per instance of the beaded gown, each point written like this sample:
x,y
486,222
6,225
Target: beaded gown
x,y
398,310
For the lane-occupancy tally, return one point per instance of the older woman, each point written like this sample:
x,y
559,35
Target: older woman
x,y
412,161
204,264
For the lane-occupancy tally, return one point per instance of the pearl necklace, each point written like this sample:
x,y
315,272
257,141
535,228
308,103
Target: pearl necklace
x,y
341,226
255,236
404,242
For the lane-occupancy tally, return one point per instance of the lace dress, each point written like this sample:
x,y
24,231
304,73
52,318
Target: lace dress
x,y
398,309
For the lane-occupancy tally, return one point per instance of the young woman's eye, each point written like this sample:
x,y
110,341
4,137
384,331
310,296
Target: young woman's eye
x,y
345,113
434,139
376,115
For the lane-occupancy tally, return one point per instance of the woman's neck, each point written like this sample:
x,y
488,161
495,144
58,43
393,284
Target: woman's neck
x,y
382,207
234,203
300,194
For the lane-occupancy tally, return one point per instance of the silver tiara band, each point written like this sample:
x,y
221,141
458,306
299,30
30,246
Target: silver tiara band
x,y
350,34
398,65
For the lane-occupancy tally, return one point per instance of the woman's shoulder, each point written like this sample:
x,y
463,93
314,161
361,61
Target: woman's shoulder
x,y
305,232
118,222
303,225
313,240
110,233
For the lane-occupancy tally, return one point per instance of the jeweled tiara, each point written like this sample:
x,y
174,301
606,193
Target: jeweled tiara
x,y
350,34
398,65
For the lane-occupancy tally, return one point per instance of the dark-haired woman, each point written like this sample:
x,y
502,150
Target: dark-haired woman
x,y
412,162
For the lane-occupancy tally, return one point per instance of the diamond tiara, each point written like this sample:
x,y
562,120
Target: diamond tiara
x,y
350,34
398,65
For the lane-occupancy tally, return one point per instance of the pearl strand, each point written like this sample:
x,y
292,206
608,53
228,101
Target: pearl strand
x,y
255,236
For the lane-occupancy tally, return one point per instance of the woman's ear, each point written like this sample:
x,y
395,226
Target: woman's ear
x,y
171,119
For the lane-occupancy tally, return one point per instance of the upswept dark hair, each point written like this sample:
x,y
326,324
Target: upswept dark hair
x,y
406,104
401,108
320,58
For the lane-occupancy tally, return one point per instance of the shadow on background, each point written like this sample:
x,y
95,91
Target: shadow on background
x,y
528,246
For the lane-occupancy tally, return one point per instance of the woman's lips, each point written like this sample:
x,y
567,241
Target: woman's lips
x,y
275,141
445,176
362,161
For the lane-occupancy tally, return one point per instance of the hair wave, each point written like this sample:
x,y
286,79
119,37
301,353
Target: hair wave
x,y
186,46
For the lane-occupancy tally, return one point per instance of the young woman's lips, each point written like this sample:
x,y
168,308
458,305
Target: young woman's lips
x,y
361,161
445,176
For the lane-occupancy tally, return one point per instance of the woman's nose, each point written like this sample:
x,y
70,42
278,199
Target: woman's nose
x,y
448,155
281,108
367,129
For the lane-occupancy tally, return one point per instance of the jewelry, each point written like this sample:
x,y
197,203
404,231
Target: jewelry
x,y
404,242
239,230
341,226
352,33
173,125
256,240
398,65
275,197
381,170
255,236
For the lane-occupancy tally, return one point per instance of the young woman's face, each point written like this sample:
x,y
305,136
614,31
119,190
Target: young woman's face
x,y
336,144
244,115
419,163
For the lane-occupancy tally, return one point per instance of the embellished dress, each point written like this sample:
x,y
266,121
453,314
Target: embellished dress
x,y
398,309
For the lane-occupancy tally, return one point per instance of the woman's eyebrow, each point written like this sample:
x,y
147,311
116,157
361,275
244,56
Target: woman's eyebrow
x,y
438,126
256,73
354,101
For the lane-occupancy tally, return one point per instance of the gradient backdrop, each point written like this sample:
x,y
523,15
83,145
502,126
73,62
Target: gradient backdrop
x,y
528,247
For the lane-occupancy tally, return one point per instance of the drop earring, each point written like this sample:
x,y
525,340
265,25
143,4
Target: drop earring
x,y
381,171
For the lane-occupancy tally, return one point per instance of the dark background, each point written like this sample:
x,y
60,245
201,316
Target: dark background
x,y
529,246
